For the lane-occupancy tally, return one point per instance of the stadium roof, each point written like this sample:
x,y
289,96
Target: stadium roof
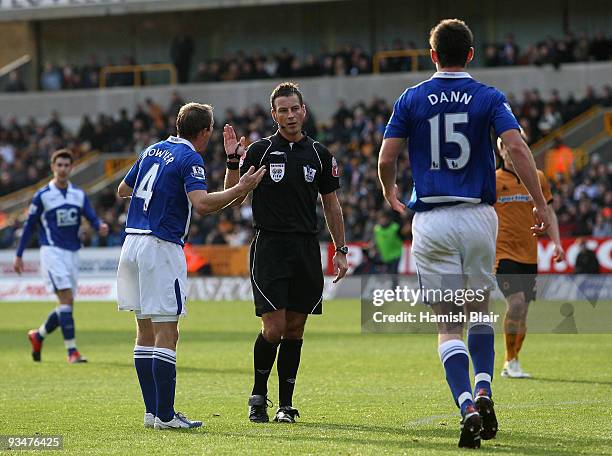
x,y
11,10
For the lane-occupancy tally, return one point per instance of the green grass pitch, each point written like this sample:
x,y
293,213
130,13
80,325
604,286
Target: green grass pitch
x,y
357,393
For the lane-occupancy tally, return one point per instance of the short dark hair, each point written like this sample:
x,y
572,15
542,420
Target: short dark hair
x,y
192,118
452,40
62,153
285,89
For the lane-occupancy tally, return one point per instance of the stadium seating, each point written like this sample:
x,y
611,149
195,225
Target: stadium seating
x,y
348,60
353,134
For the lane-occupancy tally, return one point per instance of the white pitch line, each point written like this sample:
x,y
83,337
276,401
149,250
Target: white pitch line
x,y
433,418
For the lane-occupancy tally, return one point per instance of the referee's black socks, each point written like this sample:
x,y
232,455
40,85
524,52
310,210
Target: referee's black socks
x,y
264,354
287,366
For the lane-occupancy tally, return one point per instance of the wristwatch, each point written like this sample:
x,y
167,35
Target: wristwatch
x,y
343,249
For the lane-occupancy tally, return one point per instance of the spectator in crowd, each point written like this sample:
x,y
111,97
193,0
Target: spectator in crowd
x,y
509,53
389,243
51,78
14,84
181,53
586,260
175,104
559,159
603,223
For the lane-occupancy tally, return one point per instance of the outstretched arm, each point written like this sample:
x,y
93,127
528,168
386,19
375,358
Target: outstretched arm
x,y
92,218
206,203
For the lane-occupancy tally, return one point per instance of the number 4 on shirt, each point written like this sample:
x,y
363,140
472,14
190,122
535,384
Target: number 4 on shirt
x,y
145,188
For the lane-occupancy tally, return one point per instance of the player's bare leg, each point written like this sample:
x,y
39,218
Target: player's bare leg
x,y
143,362
288,365
515,330
164,374
264,354
454,357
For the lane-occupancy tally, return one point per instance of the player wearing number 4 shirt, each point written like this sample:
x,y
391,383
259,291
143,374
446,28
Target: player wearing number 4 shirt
x,y
165,183
448,121
56,211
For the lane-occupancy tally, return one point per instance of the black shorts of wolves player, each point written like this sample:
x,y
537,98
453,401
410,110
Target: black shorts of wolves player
x,y
514,277
286,272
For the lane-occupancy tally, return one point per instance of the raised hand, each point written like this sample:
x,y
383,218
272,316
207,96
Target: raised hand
x,y
230,142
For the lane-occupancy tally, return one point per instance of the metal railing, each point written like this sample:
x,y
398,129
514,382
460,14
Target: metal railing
x,y
414,54
541,145
137,71
19,65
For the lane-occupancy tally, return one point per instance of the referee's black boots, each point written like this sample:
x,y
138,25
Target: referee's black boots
x,y
258,408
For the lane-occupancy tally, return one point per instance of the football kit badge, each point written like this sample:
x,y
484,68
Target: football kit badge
x,y
277,171
309,173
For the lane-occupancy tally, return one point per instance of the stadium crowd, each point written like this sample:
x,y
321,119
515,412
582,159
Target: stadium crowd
x,y
570,48
583,197
352,60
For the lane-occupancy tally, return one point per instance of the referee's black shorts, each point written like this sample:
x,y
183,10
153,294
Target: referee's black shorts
x,y
514,277
286,272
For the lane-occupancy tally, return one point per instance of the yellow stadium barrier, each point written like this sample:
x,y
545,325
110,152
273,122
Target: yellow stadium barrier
x,y
414,54
137,70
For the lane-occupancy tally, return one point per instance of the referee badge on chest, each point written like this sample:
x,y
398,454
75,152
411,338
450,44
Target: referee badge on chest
x,y
309,173
277,171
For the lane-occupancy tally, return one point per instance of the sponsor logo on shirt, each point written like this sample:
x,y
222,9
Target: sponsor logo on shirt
x,y
514,198
67,217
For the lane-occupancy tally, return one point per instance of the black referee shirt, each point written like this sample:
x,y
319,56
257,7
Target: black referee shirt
x,y
285,200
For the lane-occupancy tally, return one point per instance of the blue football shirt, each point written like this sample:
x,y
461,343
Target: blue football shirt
x,y
57,214
447,121
161,178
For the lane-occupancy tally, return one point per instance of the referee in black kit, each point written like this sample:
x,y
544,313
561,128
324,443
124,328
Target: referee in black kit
x,y
285,259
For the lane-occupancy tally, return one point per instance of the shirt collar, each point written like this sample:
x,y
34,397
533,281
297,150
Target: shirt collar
x,y
503,168
285,140
451,74
177,140
52,186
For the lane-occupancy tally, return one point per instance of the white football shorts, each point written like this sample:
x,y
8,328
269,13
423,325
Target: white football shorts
x,y
152,277
59,268
454,246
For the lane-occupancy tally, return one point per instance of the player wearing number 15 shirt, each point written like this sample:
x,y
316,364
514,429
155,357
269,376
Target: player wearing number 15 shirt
x,y
447,121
